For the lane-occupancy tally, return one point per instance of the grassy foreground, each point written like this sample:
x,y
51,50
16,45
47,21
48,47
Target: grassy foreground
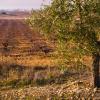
x,y
42,79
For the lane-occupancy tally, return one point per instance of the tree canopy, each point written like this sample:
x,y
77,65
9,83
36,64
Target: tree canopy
x,y
74,24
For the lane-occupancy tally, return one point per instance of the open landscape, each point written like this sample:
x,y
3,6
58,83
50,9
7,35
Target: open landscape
x,y
18,40
28,70
21,51
50,53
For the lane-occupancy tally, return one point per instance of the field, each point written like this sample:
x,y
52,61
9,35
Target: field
x,y
28,69
18,42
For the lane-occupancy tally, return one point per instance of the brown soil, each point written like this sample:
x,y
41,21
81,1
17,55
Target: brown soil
x,y
17,37
21,45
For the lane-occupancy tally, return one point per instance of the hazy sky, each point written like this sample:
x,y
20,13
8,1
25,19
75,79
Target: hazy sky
x,y
22,4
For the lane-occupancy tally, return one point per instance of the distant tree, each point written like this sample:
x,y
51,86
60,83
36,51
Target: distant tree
x,y
4,13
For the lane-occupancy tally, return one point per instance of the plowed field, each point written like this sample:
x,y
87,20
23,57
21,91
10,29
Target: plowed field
x,y
18,41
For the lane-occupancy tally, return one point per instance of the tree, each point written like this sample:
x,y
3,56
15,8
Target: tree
x,y
74,24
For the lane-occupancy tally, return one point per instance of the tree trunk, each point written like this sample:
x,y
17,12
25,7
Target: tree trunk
x,y
96,58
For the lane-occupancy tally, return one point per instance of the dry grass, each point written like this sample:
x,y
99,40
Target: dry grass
x,y
30,61
72,91
37,76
